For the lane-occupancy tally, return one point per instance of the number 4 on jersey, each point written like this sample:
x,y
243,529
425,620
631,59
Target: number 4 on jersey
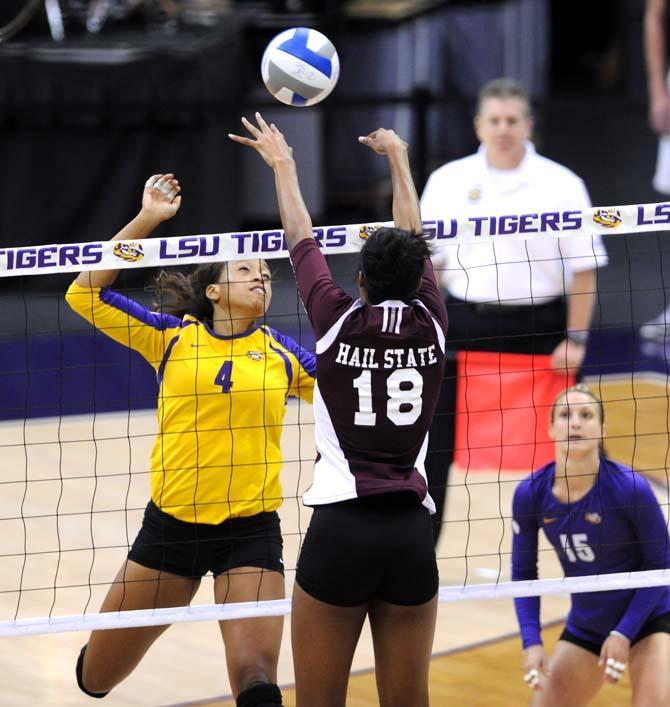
x,y
224,377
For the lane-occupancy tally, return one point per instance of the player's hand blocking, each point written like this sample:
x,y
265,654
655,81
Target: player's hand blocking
x,y
383,141
161,199
268,141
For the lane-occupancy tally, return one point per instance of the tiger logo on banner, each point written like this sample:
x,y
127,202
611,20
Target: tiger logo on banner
x,y
365,231
609,218
131,252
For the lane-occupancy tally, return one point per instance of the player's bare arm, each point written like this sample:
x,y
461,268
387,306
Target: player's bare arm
x,y
655,44
271,145
569,354
160,202
406,211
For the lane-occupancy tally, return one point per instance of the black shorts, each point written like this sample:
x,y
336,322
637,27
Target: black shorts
x,y
660,624
171,545
376,547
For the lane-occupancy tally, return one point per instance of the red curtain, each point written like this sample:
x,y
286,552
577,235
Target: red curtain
x,y
502,410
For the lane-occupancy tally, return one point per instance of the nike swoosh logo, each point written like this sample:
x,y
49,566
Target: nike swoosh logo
x,y
546,521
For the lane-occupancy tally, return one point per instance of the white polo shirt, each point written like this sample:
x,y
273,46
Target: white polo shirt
x,y
509,272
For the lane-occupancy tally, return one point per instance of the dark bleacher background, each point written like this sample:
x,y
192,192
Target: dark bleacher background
x,y
86,117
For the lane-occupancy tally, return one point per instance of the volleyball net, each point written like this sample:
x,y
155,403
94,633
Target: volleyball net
x,y
78,419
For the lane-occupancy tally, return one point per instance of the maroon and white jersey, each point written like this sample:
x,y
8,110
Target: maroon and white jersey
x,y
378,377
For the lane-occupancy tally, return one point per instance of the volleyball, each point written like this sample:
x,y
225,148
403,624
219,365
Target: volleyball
x,y
300,67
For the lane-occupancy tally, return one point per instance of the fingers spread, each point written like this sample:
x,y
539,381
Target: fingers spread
x,y
261,121
251,127
240,139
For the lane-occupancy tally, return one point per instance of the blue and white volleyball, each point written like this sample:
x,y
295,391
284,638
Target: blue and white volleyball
x,y
300,66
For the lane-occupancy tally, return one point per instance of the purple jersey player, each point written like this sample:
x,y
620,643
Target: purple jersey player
x,y
380,358
601,517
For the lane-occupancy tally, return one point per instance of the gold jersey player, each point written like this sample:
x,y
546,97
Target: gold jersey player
x,y
215,488
380,360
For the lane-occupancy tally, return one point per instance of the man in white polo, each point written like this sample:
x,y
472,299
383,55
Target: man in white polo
x,y
526,297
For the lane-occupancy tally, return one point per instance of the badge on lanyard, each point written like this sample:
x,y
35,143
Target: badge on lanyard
x,y
475,194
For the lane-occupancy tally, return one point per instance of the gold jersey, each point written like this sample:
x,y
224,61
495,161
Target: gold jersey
x,y
221,404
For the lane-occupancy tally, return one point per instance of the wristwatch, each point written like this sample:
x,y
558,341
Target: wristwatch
x,y
578,336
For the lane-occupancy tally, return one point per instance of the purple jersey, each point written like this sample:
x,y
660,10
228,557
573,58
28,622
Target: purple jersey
x,y
617,526
379,372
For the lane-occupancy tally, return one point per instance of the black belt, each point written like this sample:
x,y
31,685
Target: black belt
x,y
494,307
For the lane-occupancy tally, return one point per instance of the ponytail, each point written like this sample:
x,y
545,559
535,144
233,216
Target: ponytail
x,y
180,294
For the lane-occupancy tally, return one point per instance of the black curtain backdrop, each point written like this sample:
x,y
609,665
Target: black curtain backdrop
x,y
77,141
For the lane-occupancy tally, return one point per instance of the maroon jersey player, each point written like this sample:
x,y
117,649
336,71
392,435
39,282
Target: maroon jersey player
x,y
380,358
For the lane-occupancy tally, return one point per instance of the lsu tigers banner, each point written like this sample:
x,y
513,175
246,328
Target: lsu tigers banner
x,y
182,250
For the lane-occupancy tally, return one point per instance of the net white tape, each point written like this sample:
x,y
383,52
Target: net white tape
x,y
183,250
270,244
282,607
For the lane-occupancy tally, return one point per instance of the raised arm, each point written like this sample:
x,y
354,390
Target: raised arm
x,y
160,202
655,46
272,147
406,210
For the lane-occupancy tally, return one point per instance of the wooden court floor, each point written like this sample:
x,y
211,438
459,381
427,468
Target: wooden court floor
x,y
485,675
73,492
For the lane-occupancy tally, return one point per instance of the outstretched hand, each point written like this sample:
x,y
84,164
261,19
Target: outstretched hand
x,y
161,199
267,141
382,141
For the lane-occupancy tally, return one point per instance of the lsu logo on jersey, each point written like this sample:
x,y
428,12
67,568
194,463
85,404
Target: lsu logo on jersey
x,y
255,355
609,218
594,518
366,231
131,252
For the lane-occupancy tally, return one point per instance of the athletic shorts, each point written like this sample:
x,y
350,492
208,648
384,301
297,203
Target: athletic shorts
x,y
659,624
186,549
375,547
